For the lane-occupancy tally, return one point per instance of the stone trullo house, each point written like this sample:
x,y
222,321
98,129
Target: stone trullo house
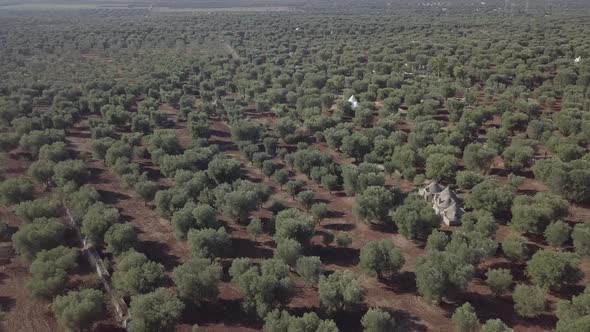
x,y
444,202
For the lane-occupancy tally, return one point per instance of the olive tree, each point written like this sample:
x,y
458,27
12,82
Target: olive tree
x,y
255,228
437,240
373,204
343,240
282,321
533,214
581,238
573,315
70,172
42,233
498,280
441,167
495,325
518,157
224,169
379,257
146,190
529,301
492,197
281,177
310,269
294,224
208,242
377,320
306,198
135,274
49,272
97,221
319,211
120,238
41,171
79,309
264,288
465,319
16,190
415,218
155,311
557,233
197,280
478,158
193,216
39,208
552,270
442,274
339,291
289,251
356,146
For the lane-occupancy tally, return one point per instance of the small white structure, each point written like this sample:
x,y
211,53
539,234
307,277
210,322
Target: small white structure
x,y
578,59
444,202
354,104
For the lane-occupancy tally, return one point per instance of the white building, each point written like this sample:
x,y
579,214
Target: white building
x,y
354,104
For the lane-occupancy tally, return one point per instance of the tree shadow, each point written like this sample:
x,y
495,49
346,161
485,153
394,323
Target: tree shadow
x,y
527,192
153,173
248,248
350,320
95,172
402,282
406,321
221,311
108,327
566,292
7,303
218,133
10,230
502,307
340,227
157,251
322,200
127,218
516,269
335,214
81,133
338,256
385,227
250,178
112,197
224,146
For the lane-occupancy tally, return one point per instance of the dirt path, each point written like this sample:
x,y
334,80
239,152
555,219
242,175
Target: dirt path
x,y
155,233
98,265
157,238
230,49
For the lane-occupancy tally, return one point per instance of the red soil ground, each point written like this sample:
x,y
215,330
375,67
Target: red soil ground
x,y
21,313
397,293
391,294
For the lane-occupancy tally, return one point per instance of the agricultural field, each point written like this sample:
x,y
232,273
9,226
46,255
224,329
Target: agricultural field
x,y
295,166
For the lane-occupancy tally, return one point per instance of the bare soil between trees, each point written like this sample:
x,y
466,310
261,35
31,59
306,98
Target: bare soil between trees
x,y
396,293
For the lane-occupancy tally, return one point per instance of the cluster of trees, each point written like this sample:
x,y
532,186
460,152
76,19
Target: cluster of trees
x,y
569,179
263,288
